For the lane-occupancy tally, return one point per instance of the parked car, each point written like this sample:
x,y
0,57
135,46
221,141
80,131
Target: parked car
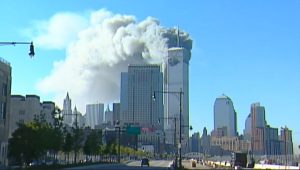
x,y
145,161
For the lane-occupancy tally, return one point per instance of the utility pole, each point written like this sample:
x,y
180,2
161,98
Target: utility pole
x,y
180,93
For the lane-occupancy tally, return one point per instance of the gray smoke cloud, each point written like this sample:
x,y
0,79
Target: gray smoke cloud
x,y
103,49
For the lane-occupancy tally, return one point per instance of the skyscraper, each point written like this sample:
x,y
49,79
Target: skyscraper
x,y
108,116
258,124
94,114
137,105
176,79
142,82
116,113
225,116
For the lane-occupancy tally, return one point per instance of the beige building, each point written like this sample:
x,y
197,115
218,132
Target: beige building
x,y
5,86
25,109
230,143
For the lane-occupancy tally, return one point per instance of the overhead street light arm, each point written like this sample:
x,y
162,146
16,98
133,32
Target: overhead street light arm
x,y
31,47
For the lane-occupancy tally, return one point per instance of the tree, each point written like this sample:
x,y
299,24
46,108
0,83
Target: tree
x,y
24,145
68,144
93,143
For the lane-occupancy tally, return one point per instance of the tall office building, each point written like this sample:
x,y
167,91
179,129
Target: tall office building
x,y
67,111
247,130
5,85
94,115
225,117
116,112
108,116
137,104
286,144
176,79
258,124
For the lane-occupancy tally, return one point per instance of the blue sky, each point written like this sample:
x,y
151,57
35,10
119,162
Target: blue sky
x,y
248,50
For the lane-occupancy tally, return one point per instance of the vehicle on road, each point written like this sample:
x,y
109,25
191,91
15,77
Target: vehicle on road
x,y
145,161
193,163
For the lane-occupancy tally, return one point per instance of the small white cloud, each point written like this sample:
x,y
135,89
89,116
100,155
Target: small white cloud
x,y
58,31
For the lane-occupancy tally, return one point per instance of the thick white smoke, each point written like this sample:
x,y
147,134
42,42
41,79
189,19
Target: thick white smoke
x,y
101,51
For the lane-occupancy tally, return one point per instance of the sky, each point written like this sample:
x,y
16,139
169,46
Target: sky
x,y
248,50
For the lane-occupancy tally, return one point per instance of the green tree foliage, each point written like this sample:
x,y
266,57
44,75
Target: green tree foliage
x,y
32,140
93,143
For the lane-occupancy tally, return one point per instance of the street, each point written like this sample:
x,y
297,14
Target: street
x,y
154,165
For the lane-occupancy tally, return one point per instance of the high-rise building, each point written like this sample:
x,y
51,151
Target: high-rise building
x,y
67,111
272,142
108,116
258,124
195,142
176,79
247,130
94,115
205,142
286,144
225,117
138,106
5,85
116,112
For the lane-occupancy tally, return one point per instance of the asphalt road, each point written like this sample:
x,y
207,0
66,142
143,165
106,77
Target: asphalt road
x,y
154,165
135,165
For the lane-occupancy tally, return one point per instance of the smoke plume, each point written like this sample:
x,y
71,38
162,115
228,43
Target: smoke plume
x,y
100,51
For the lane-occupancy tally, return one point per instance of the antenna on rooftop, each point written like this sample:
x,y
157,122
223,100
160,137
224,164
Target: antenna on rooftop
x,y
178,37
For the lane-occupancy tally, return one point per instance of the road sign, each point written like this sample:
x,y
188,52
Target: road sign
x,y
133,130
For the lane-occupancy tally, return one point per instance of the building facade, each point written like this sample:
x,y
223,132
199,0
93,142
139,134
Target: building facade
x,y
25,109
67,111
176,79
138,106
286,141
225,121
142,82
108,116
94,115
258,124
5,85
116,112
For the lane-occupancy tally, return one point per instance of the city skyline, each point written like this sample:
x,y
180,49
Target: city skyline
x,y
247,50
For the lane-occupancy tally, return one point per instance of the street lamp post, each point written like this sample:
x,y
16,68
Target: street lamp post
x,y
119,140
175,126
31,47
180,93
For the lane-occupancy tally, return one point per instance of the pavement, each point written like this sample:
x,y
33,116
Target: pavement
x,y
188,165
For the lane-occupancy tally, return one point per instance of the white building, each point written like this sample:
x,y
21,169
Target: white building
x,y
94,115
225,116
176,79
